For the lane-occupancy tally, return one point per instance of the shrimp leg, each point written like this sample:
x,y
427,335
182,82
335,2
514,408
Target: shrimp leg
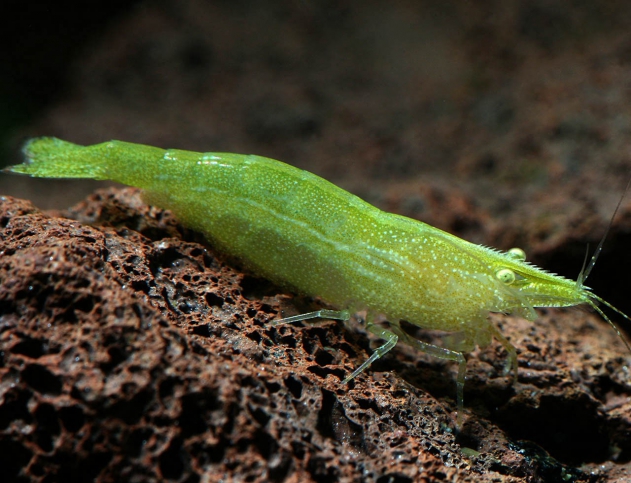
x,y
322,314
445,354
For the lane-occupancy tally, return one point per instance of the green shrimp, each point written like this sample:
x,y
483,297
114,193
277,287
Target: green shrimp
x,y
308,235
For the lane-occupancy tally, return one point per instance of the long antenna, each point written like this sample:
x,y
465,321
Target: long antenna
x,y
586,271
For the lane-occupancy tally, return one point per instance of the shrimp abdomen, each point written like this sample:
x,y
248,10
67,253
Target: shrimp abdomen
x,y
284,223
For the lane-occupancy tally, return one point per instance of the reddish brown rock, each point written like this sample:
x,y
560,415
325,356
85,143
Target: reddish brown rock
x,y
130,351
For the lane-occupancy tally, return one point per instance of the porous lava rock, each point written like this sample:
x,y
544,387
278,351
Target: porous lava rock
x,y
131,351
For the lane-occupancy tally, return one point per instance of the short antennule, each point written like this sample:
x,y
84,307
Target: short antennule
x,y
585,271
581,275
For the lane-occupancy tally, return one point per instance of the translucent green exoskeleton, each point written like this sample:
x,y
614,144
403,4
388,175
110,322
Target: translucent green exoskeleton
x,y
305,233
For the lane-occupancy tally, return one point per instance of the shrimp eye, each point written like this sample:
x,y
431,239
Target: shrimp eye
x,y
505,275
517,254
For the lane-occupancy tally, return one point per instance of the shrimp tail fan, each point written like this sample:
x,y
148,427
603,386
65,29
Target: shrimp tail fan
x,y
49,157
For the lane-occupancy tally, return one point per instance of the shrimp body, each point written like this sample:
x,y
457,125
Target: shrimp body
x,y
306,234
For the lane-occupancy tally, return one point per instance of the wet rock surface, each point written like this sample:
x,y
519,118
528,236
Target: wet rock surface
x,y
131,351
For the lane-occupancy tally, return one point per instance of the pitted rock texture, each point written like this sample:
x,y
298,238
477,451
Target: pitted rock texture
x,y
130,351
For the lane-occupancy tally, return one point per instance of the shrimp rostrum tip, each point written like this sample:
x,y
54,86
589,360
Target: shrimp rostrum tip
x,y
304,233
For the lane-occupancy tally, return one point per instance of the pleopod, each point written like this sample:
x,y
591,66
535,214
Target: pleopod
x,y
306,234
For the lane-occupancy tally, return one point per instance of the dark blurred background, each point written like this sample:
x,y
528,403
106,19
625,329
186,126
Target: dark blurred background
x,y
505,122
492,97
